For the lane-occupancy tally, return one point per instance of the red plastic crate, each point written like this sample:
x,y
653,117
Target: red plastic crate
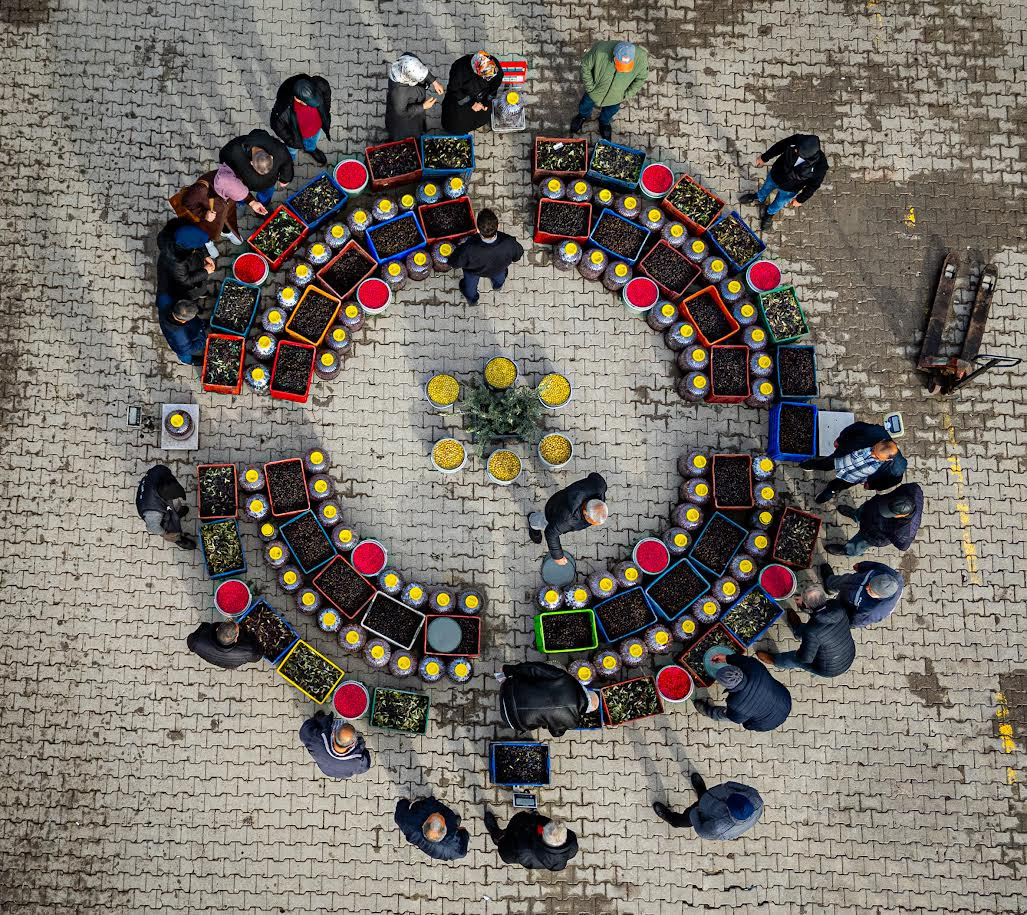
x,y
372,590
285,254
456,617
220,388
673,294
672,210
344,295
311,291
714,397
809,560
235,489
722,637
378,184
288,395
547,238
713,478
466,201
303,471
687,315
537,173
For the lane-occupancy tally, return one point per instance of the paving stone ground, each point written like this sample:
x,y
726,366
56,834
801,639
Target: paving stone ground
x,y
136,779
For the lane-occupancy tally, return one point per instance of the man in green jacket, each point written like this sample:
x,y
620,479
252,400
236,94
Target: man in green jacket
x,y
612,73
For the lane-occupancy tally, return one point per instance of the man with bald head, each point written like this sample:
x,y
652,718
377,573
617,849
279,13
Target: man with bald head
x,y
223,645
431,826
863,453
574,508
533,841
335,745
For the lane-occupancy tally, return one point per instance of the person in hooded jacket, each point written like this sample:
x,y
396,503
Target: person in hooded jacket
x,y
539,695
224,645
533,841
183,269
302,114
260,161
755,700
474,81
212,201
799,171
407,101
827,648
336,746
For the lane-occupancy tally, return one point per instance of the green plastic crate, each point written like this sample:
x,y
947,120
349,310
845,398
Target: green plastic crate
x,y
540,642
770,330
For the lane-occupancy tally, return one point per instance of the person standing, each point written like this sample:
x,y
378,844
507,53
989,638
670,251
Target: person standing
x,y
612,73
891,518
335,745
869,593
573,508
407,101
863,453
474,81
755,700
223,645
431,826
212,203
725,811
260,161
533,841
539,695
799,171
302,115
160,502
826,648
490,254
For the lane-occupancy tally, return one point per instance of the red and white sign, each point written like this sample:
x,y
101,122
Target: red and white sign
x,y
515,72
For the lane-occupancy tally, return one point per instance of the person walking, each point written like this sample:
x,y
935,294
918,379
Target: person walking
x,y
212,203
160,502
407,101
431,826
532,840
302,115
797,173
612,73
223,645
335,745
183,272
260,161
725,811
826,648
535,695
490,254
869,593
863,453
891,518
574,508
474,81
755,700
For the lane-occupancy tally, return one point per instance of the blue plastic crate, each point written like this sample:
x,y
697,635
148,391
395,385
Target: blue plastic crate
x,y
369,238
518,743
742,532
274,662
816,387
724,618
774,438
284,534
603,635
232,281
606,179
242,552
660,612
735,266
608,212
335,209
443,172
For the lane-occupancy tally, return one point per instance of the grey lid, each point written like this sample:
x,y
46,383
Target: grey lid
x,y
444,635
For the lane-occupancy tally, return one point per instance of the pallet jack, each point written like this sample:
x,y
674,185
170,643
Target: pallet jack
x,y
947,374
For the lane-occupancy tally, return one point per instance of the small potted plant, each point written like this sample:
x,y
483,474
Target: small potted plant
x,y
310,672
217,491
563,157
734,239
519,763
717,544
235,307
447,154
672,272
796,538
393,621
630,700
447,220
749,617
287,487
222,548
400,710
614,164
563,631
492,416
307,541
292,371
395,239
624,614
344,587
696,206
312,316
272,634
676,590
556,220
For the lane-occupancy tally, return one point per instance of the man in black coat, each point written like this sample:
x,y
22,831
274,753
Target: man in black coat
x,y
223,645
890,518
335,745
303,114
573,508
755,700
533,841
431,826
863,453
489,254
259,161
160,502
183,272
827,648
799,170
539,695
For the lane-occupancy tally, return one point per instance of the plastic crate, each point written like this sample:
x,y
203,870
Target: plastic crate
x,y
774,443
718,635
661,611
379,184
458,618
345,295
619,595
270,493
714,397
780,386
387,599
763,315
242,551
323,217
687,315
693,227
275,264
741,530
517,743
235,492
759,635
713,479
300,645
232,281
606,179
440,172
283,533
548,238
674,295
608,718
369,236
289,395
608,212
260,602
540,640
809,559
224,388
459,201
371,590
311,292
735,266
538,173
407,692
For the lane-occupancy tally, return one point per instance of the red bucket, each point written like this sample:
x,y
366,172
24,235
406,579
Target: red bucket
x,y
374,295
640,294
778,581
674,683
251,268
232,597
651,555
351,175
369,558
763,276
351,700
656,180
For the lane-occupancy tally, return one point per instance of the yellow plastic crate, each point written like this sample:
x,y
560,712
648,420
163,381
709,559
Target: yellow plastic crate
x,y
306,647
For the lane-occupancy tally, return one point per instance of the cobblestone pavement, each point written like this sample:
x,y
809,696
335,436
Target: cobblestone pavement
x,y
136,779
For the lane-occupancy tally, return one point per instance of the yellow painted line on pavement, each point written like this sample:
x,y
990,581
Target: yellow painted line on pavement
x,y
1005,734
962,505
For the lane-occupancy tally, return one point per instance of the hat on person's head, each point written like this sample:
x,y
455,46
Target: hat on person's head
x,y
898,505
740,806
188,238
884,585
483,65
229,185
730,677
304,90
624,56
809,146
183,311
